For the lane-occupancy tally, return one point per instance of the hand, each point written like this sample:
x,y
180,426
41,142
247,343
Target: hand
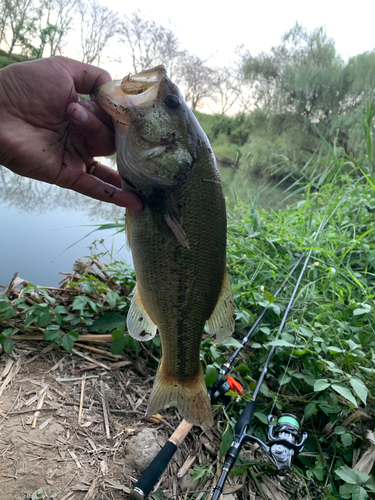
x,y
46,134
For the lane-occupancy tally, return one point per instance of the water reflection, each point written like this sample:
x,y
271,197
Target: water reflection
x,y
39,222
35,197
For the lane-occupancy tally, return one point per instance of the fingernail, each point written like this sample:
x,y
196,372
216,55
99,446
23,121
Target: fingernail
x,y
80,114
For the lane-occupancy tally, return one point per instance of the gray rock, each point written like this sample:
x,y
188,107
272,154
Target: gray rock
x,y
142,449
186,483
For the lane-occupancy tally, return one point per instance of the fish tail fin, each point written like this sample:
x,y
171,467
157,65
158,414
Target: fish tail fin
x,y
191,397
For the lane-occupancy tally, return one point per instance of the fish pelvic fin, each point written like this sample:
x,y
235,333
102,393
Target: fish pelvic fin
x,y
191,397
220,324
138,322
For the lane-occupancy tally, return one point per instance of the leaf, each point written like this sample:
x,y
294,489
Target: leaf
x,y
73,334
107,323
112,299
4,306
309,410
211,375
359,388
262,417
226,440
44,319
333,349
118,345
284,378
61,310
117,334
281,343
68,343
8,346
51,335
79,303
276,309
347,439
10,313
347,474
345,392
231,342
359,493
359,311
321,384
29,320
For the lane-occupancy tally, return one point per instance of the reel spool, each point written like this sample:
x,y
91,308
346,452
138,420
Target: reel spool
x,y
284,441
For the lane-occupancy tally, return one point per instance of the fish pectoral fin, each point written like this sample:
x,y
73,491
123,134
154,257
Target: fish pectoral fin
x,y
191,397
177,230
138,322
220,325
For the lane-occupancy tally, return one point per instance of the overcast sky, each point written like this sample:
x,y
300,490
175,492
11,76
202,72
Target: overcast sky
x,y
214,28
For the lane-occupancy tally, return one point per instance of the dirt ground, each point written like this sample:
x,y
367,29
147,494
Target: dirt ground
x,y
66,421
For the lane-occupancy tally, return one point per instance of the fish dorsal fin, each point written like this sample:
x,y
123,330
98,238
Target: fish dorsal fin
x,y
138,322
220,325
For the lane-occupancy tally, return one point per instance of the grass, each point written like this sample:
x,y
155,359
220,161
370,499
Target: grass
x,y
323,371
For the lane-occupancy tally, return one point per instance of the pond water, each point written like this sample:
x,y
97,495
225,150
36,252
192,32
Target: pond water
x,y
45,228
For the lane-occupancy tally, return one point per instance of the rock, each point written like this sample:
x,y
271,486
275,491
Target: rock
x,y
142,449
186,482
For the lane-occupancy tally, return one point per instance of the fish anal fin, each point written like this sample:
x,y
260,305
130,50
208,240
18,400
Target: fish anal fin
x,y
191,397
138,322
220,325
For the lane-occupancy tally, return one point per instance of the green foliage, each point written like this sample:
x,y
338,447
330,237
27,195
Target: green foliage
x,y
89,305
5,60
41,494
300,84
202,471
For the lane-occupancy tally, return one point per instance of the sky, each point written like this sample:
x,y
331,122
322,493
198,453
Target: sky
x,y
215,29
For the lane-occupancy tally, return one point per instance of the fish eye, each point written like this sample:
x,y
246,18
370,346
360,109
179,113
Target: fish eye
x,y
172,101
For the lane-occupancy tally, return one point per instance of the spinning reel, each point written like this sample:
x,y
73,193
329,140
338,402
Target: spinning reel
x,y
284,441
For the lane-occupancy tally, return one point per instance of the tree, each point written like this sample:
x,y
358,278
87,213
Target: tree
x,y
304,84
196,79
58,18
16,16
304,75
150,44
98,25
48,27
227,87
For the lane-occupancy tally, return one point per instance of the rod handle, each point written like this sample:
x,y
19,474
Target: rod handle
x,y
245,420
156,468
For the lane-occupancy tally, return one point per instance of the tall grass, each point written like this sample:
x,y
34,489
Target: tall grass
x,y
324,369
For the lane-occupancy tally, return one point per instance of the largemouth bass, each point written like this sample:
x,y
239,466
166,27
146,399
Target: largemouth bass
x,y
178,239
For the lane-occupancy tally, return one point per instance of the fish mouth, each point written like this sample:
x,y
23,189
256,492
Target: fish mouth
x,y
138,90
139,156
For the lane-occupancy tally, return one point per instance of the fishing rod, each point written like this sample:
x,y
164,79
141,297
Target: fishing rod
x,y
216,392
282,444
